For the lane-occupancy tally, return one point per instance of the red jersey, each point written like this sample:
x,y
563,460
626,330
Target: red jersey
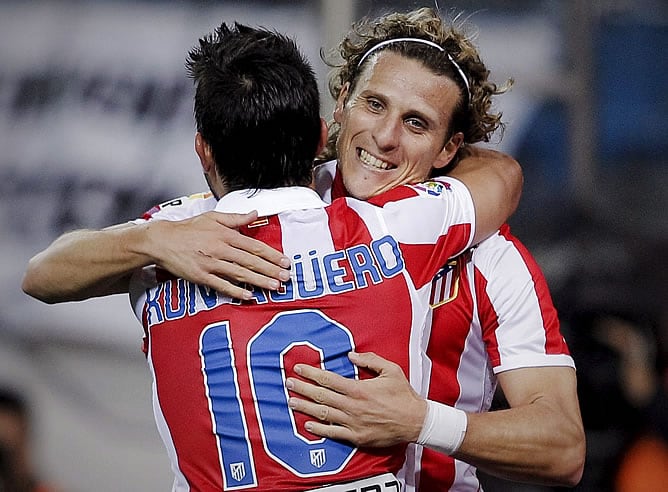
x,y
491,312
360,281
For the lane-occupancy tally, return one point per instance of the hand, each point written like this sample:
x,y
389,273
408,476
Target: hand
x,y
209,250
378,412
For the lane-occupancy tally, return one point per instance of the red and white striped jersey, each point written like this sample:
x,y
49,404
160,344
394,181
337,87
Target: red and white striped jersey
x,y
360,281
492,312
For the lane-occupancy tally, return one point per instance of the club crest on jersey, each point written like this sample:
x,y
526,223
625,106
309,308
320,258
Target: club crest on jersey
x,y
445,286
238,471
434,188
317,457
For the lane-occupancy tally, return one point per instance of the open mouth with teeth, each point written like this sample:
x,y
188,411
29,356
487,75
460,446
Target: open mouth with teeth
x,y
374,162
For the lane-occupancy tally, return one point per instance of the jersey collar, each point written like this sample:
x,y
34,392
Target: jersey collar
x,y
270,202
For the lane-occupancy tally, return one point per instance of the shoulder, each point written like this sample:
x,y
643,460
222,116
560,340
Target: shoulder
x,y
504,256
434,189
182,207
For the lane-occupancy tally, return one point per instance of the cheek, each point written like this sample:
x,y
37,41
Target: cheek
x,y
421,164
356,123
347,145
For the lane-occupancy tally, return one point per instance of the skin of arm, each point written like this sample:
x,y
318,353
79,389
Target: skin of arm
x,y
539,439
206,249
93,263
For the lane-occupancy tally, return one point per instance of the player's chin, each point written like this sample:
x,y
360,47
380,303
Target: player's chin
x,y
362,192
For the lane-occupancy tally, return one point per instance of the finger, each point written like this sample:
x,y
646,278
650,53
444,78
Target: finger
x,y
239,274
235,220
224,277
373,362
324,413
248,264
337,432
227,288
254,248
248,244
325,379
317,394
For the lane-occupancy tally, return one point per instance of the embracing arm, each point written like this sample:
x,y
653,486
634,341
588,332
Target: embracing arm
x,y
205,249
495,182
540,439
85,263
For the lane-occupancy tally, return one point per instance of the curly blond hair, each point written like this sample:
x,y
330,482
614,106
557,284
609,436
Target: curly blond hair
x,y
474,118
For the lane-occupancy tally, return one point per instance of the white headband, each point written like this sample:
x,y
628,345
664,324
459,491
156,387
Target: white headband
x,y
428,43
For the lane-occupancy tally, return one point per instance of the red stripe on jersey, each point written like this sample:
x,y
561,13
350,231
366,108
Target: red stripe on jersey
x,y
149,213
338,188
438,471
346,226
393,195
179,398
267,230
554,341
424,259
451,323
489,320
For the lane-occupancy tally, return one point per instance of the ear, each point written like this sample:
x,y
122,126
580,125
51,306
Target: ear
x,y
449,150
205,154
341,102
324,133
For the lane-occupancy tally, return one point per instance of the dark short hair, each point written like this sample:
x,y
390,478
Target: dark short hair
x,y
257,105
12,401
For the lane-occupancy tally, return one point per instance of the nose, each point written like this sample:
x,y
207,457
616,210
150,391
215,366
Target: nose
x,y
387,133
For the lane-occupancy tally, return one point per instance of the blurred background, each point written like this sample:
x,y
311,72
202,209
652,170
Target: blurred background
x,y
96,126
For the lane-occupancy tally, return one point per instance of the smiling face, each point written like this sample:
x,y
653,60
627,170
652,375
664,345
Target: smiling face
x,y
394,125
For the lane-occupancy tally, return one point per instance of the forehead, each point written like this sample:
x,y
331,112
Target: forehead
x,y
409,86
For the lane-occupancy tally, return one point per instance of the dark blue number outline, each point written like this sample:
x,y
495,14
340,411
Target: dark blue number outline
x,y
265,352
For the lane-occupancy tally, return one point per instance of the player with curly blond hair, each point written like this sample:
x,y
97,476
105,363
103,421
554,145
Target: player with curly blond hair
x,y
443,46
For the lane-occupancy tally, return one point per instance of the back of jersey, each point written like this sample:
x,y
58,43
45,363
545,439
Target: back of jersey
x,y
220,366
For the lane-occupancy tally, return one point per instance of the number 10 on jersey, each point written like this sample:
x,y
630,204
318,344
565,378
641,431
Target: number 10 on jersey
x,y
265,365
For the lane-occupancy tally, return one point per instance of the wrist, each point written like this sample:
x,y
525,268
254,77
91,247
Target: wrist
x,y
443,429
144,243
418,418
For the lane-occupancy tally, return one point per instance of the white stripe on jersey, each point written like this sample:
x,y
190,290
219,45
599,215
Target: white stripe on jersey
x,y
294,229
459,212
510,285
474,373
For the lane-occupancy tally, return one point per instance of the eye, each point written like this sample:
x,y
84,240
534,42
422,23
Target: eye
x,y
416,123
374,104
